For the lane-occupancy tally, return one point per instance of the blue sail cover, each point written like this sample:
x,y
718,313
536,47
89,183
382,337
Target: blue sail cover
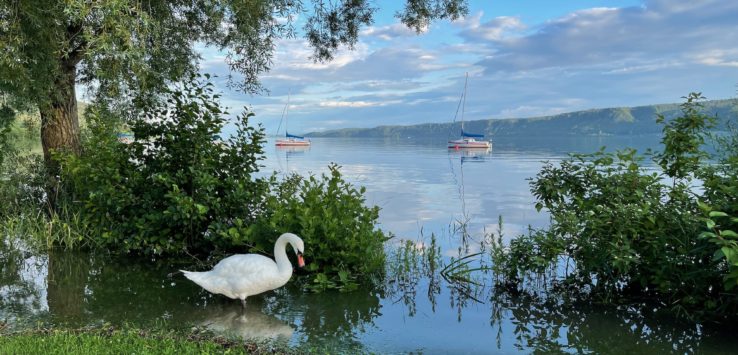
x,y
471,135
293,136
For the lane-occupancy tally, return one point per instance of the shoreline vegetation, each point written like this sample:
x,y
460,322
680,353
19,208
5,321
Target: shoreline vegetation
x,y
625,234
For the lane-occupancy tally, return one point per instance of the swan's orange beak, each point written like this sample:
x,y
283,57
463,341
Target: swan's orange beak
x,y
300,260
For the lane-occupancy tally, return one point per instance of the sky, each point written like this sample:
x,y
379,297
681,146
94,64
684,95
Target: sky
x,y
524,58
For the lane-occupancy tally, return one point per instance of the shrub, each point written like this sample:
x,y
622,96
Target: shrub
x,y
341,240
626,231
720,206
632,232
22,180
176,185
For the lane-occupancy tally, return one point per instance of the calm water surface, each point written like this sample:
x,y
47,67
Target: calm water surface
x,y
423,190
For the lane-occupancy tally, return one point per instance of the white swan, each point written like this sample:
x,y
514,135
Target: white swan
x,y
242,275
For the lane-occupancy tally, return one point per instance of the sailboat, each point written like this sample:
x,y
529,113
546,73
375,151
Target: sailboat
x,y
468,140
290,140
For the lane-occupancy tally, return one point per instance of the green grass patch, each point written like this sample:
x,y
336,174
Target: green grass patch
x,y
129,340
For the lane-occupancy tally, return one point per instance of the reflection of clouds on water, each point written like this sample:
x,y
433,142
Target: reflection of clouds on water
x,y
509,230
246,323
408,198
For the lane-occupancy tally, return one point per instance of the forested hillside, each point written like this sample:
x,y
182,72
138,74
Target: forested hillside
x,y
597,122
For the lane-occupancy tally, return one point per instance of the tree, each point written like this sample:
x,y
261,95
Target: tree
x,y
127,50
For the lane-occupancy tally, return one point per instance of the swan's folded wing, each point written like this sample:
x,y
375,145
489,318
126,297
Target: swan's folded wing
x,y
249,274
245,264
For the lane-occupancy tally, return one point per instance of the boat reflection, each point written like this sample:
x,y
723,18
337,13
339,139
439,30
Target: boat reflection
x,y
292,149
468,155
289,152
248,323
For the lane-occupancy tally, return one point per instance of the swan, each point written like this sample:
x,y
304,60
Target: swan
x,y
243,275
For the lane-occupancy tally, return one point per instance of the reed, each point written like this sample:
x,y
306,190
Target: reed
x,y
47,229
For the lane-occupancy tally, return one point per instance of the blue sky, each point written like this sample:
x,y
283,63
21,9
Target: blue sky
x,y
524,58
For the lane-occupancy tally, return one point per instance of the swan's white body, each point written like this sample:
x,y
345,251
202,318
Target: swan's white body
x,y
243,275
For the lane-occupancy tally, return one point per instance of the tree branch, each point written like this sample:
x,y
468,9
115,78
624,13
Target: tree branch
x,y
75,55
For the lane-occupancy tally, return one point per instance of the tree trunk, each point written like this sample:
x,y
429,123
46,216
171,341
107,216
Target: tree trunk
x,y
59,121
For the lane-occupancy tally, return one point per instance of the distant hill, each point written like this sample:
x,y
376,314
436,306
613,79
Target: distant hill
x,y
620,121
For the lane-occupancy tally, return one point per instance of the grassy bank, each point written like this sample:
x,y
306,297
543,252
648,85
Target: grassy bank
x,y
110,340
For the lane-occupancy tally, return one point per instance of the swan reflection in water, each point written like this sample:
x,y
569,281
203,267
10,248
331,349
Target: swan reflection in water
x,y
247,323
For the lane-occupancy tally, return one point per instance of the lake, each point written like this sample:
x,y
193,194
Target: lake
x,y
426,192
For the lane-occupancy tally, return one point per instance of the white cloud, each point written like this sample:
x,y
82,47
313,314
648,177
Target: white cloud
x,y
719,57
349,104
497,29
659,31
626,68
391,32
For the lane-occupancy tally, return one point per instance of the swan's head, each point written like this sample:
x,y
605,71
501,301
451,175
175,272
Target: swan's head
x,y
297,245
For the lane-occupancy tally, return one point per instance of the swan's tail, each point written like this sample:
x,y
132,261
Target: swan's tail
x,y
207,280
196,277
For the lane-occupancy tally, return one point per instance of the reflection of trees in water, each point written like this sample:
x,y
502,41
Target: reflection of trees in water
x,y
81,289
22,275
332,319
90,289
65,284
547,324
138,290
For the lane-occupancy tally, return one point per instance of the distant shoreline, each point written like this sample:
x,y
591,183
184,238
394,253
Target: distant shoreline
x,y
607,122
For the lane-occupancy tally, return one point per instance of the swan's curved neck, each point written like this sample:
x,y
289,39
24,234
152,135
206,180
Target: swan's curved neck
x,y
280,255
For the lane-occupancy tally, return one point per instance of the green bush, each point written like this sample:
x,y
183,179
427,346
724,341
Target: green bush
x,y
176,185
342,243
626,230
22,181
631,232
720,206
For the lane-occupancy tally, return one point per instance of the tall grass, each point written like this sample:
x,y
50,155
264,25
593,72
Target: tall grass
x,y
25,209
47,229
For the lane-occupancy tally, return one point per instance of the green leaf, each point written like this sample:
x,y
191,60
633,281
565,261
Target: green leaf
x,y
718,214
201,208
710,224
730,253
